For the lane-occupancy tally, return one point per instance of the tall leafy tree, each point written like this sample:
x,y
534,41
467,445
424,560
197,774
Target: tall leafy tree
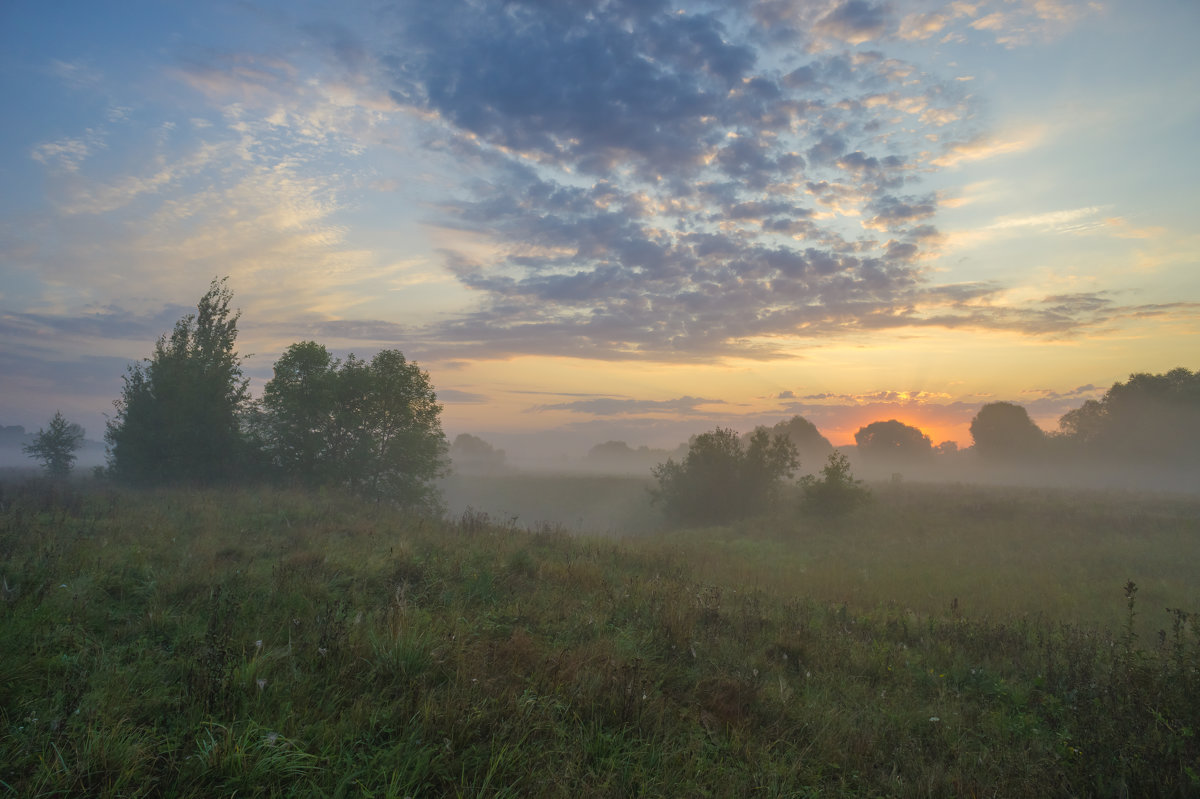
x,y
299,404
372,426
179,416
55,446
811,446
1150,418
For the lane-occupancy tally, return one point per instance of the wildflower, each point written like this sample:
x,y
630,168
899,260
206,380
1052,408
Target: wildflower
x,y
271,738
262,683
258,644
934,719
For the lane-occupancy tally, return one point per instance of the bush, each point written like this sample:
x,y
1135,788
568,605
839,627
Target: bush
x,y
836,492
720,480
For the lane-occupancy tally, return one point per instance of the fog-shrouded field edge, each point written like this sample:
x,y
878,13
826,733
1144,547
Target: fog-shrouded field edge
x,y
941,641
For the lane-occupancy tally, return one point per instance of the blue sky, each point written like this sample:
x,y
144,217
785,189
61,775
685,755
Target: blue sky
x,y
611,219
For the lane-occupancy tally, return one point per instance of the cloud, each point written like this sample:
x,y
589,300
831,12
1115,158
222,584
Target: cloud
x,y
636,180
890,213
1067,221
1073,219
611,406
983,146
455,397
854,21
77,75
1088,391
646,175
1024,22
67,154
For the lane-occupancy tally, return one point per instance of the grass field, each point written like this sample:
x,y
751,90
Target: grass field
x,y
947,641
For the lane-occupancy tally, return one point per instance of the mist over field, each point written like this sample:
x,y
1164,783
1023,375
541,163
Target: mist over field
x,y
606,398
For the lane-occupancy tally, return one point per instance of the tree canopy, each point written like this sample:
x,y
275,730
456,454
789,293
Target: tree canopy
x,y
471,454
1003,431
1149,418
55,446
372,426
719,479
811,446
178,418
893,443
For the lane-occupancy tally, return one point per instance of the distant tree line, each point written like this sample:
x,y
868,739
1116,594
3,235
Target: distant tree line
x,y
186,416
1149,421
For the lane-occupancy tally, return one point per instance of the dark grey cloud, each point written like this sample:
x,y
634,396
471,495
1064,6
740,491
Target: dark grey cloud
x,y
659,182
597,85
889,212
106,323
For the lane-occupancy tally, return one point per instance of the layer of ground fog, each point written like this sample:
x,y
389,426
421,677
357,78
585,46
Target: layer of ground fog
x,y
939,643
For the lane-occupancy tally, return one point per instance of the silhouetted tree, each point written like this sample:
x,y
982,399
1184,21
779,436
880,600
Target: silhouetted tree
x,y
55,446
893,443
1003,431
618,456
179,415
946,448
836,492
811,446
1149,419
372,426
471,453
719,479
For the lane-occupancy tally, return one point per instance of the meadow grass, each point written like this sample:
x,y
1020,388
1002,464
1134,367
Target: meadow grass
x,y
272,643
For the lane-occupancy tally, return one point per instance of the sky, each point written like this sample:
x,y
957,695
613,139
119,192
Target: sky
x,y
609,219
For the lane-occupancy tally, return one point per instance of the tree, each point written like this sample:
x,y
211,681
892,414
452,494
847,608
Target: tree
x,y
811,446
619,457
179,415
471,454
893,443
373,427
1003,431
836,492
946,448
299,405
719,479
55,446
1149,419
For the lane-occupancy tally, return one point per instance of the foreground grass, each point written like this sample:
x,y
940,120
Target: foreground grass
x,y
266,643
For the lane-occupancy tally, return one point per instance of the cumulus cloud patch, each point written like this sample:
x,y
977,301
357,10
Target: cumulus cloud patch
x,y
652,183
645,181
